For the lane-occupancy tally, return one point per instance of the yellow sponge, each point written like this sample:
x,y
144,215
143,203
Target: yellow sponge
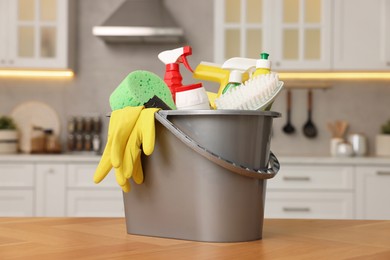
x,y
137,88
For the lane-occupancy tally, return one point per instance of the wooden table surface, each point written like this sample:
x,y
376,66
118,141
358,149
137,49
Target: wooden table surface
x,y
106,238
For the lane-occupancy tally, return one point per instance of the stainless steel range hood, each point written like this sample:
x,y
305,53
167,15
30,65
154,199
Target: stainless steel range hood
x,y
140,21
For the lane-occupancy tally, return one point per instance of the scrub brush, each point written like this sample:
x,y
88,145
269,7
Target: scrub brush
x,y
257,93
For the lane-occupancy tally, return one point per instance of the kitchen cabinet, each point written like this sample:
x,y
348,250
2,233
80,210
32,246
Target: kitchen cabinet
x,y
311,191
85,198
362,35
36,34
296,33
310,205
306,35
50,190
16,190
373,193
302,34
57,187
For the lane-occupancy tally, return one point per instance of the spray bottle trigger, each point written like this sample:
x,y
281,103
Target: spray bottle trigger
x,y
185,62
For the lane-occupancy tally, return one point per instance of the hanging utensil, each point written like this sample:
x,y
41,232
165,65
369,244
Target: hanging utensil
x,y
288,128
309,129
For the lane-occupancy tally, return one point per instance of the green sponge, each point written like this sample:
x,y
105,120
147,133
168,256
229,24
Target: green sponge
x,y
137,88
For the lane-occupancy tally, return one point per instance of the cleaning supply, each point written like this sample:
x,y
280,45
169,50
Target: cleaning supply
x,y
241,69
137,88
192,97
254,94
263,65
172,60
143,135
235,79
130,129
212,72
156,102
120,127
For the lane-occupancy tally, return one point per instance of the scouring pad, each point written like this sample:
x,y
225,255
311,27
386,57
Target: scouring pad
x,y
137,88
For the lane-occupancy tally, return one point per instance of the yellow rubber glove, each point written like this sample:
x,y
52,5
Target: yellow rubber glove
x,y
122,122
142,134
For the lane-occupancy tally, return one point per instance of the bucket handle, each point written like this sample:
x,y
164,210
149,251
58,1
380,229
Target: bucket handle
x,y
271,171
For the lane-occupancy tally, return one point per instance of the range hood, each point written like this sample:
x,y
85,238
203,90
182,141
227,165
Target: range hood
x,y
140,21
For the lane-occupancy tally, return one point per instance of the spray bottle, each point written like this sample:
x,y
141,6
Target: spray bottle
x,y
241,69
263,65
186,97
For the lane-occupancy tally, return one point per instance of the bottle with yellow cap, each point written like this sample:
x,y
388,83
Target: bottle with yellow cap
x,y
263,65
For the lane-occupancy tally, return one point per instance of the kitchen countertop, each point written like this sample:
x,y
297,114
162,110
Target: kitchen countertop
x,y
82,157
377,161
385,161
106,238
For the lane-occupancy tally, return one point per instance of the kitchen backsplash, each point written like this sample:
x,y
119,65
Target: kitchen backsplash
x,y
101,67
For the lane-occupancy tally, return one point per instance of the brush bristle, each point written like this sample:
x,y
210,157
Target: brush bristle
x,y
254,94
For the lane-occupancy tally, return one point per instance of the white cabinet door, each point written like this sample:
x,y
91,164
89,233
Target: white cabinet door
x,y
95,203
16,202
50,190
373,192
242,29
17,175
318,205
87,199
302,35
36,33
3,35
362,35
296,33
313,177
16,190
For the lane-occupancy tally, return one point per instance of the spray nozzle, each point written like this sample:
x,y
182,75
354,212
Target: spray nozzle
x,y
178,55
187,50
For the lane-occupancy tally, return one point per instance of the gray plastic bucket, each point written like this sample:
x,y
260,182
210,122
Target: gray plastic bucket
x,y
206,179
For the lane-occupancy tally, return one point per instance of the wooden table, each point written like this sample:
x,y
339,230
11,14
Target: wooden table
x,y
106,238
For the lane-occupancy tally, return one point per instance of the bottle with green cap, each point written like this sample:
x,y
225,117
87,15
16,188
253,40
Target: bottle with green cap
x,y
263,65
235,79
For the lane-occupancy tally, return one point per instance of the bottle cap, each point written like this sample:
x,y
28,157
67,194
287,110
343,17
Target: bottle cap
x,y
263,62
235,76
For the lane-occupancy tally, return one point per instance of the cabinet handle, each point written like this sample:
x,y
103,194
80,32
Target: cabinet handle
x,y
11,62
297,178
2,61
388,63
51,171
293,209
383,173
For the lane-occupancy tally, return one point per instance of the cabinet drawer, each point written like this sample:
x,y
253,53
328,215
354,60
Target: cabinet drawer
x,y
95,203
17,175
372,192
81,176
313,177
323,205
16,203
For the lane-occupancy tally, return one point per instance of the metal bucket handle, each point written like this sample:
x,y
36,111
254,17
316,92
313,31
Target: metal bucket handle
x,y
271,171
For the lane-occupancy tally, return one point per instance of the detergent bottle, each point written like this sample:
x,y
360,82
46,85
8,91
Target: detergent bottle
x,y
235,79
238,66
263,65
191,96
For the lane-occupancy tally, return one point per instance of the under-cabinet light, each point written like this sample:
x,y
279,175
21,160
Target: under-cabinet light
x,y
37,73
334,75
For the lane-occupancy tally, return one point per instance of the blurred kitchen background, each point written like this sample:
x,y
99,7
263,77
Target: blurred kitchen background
x,y
99,67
